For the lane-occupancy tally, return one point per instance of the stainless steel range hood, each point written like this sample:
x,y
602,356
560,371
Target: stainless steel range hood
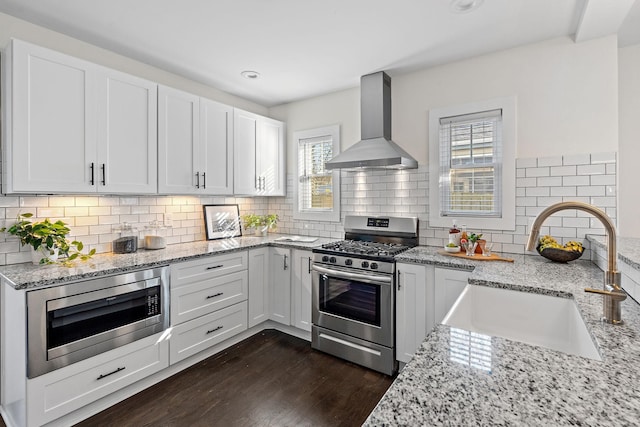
x,y
376,150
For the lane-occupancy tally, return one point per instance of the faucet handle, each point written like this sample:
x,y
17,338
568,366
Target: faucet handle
x,y
617,294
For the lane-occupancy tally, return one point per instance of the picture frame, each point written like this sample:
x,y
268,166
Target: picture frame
x,y
221,221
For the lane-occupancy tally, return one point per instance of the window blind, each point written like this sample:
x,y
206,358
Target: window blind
x,y
471,164
315,190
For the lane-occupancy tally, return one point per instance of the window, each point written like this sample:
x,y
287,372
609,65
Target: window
x,y
317,189
472,165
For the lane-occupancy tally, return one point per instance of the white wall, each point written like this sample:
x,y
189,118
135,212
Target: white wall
x,y
11,27
629,153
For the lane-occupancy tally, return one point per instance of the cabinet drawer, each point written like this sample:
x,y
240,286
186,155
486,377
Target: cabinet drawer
x,y
196,335
60,392
184,273
206,296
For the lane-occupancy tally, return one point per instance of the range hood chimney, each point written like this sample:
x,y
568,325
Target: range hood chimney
x,y
376,150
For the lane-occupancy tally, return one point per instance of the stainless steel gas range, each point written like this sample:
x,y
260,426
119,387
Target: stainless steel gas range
x,y
353,291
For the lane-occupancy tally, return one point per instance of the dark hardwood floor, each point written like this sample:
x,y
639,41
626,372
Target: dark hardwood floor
x,y
269,379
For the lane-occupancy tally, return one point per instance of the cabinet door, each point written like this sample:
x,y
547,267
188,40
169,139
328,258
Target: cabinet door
x,y
258,286
449,284
245,180
127,134
414,308
216,148
301,290
178,139
270,158
51,142
280,286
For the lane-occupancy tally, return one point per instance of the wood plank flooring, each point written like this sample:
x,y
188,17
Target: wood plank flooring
x,y
269,379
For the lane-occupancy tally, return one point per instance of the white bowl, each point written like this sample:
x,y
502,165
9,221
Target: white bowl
x,y
450,249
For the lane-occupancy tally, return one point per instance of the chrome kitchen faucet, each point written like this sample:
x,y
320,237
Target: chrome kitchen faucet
x,y
612,292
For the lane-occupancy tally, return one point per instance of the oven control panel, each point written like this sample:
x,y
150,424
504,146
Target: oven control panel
x,y
378,222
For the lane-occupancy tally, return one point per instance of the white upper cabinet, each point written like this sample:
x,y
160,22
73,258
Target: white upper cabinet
x,y
127,135
259,162
75,127
195,142
178,140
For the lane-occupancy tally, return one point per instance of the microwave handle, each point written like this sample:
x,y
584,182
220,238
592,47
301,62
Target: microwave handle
x,y
355,276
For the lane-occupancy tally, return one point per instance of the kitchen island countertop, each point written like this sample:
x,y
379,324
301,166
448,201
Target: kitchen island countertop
x,y
521,384
27,276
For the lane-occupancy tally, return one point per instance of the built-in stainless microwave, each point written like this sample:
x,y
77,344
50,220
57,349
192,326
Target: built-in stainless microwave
x,y
69,323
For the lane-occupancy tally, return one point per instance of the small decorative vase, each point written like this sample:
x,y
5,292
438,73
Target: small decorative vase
x,y
261,231
43,252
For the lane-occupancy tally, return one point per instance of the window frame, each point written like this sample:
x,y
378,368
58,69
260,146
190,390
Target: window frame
x,y
332,215
506,221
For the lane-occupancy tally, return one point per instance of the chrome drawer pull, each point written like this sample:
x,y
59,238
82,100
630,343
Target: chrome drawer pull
x,y
214,329
213,267
110,373
214,295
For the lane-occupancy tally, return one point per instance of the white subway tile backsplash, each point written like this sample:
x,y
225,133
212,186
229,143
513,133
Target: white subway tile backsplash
x,y
550,161
575,180
527,163
563,170
576,159
568,191
594,190
609,157
536,172
592,169
554,181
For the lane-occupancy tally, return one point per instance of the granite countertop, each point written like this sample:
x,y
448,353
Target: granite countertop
x,y
523,384
28,276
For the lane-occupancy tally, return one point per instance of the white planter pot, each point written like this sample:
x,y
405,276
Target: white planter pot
x,y
261,231
37,255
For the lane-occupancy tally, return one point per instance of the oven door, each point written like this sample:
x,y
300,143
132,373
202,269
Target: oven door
x,y
357,304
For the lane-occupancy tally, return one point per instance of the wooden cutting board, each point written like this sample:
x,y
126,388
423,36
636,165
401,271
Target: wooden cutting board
x,y
476,257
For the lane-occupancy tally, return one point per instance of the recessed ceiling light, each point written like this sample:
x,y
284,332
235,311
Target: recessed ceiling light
x,y
465,6
251,75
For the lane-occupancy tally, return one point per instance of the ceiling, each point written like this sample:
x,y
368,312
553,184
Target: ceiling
x,y
304,48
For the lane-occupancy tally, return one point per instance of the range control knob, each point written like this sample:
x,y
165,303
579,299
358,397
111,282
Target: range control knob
x,y
374,265
325,258
332,260
365,264
348,261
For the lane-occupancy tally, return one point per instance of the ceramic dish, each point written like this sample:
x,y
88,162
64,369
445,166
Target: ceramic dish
x,y
452,249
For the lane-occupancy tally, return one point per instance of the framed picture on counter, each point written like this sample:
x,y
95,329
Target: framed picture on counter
x,y
221,221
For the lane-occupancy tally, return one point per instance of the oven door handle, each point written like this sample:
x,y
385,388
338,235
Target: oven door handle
x,y
355,276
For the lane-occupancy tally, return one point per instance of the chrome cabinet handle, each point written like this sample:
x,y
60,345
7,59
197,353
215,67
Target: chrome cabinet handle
x,y
214,295
104,175
110,373
93,182
284,259
309,264
257,182
214,329
264,184
399,286
204,180
197,179
213,267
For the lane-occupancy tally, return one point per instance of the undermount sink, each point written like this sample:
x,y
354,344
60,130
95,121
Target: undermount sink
x,y
536,319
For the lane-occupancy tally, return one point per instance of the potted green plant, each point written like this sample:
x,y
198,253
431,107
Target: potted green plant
x,y
260,223
47,240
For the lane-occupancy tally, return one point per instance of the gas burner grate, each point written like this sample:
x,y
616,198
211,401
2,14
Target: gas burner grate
x,y
358,247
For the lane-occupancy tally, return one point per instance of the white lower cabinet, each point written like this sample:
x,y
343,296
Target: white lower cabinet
x,y
301,289
280,285
424,295
449,284
208,302
414,308
199,334
258,286
60,392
